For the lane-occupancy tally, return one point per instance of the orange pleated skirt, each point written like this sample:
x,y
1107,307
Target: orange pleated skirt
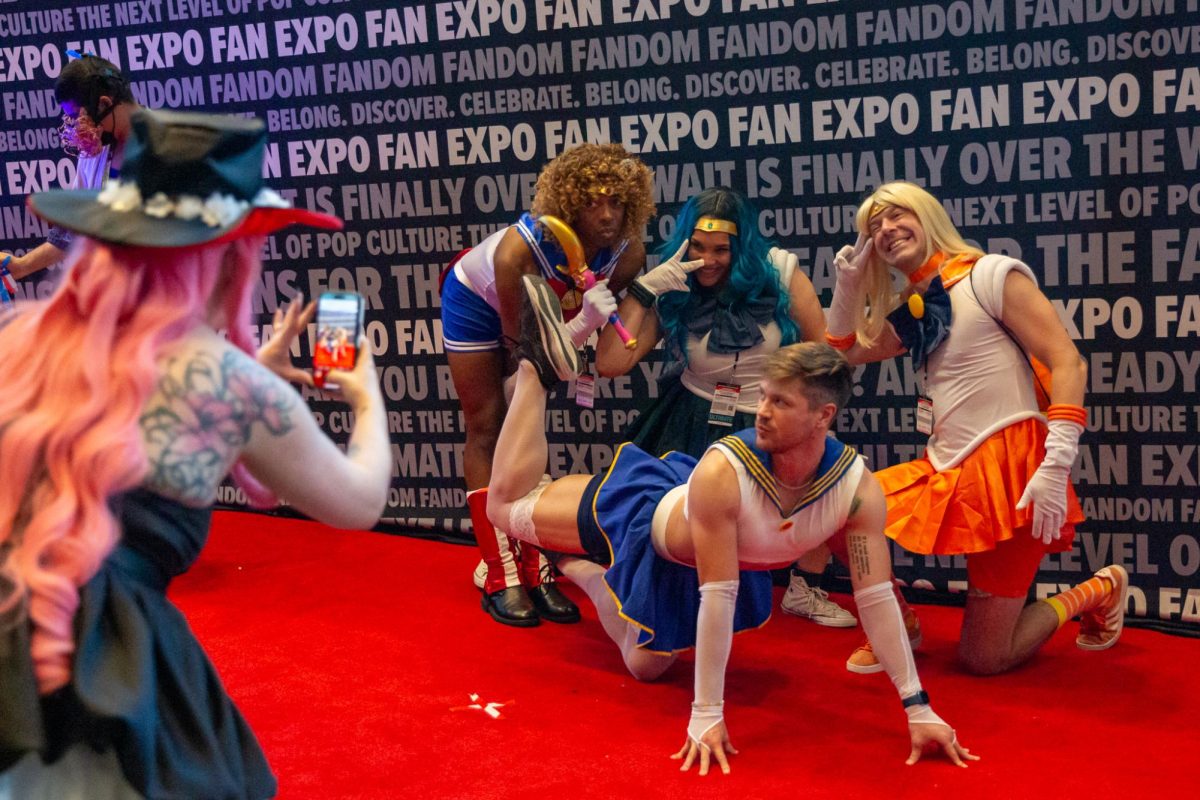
x,y
972,507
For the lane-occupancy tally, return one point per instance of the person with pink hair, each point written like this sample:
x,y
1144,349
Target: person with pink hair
x,y
139,392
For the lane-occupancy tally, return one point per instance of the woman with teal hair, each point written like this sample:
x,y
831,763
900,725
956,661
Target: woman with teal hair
x,y
720,314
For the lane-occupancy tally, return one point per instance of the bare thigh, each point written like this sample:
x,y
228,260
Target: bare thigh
x,y
556,512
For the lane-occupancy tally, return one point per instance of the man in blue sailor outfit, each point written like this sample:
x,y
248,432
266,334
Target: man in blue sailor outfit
x,y
688,543
605,195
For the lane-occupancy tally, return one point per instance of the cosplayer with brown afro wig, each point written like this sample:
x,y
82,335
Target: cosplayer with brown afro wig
x,y
604,194
570,181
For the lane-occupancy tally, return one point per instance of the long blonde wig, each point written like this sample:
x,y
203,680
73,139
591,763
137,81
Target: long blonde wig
x,y
879,296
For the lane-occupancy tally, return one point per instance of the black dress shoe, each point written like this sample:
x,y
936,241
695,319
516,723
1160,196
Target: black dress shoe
x,y
552,605
511,606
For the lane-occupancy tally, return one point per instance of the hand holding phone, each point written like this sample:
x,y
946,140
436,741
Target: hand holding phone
x,y
339,324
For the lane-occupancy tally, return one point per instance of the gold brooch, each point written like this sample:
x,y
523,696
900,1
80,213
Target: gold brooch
x,y
916,306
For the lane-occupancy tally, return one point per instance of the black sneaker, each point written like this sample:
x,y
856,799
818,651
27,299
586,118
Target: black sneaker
x,y
545,342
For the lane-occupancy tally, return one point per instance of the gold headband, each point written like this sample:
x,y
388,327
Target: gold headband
x,y
714,224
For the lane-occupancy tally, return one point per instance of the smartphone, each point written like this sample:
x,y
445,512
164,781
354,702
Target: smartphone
x,y
339,324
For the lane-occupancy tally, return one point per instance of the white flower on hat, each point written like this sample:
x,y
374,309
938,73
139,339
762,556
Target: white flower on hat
x,y
269,198
188,207
159,206
120,196
222,209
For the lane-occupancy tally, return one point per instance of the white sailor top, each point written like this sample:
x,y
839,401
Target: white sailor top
x,y
978,379
477,269
745,368
769,535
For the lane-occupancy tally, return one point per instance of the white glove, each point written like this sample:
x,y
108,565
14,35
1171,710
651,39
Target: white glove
x,y
671,275
851,265
597,305
785,262
850,262
924,715
883,622
714,639
1047,489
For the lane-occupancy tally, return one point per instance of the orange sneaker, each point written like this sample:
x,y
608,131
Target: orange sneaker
x,y
1100,627
863,660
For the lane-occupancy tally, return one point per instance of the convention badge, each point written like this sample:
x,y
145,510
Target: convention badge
x,y
571,300
585,391
724,404
924,415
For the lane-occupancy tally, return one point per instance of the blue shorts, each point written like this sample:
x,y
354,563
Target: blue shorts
x,y
660,597
469,325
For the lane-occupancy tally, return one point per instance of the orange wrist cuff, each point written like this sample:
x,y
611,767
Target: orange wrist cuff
x,y
841,342
1068,412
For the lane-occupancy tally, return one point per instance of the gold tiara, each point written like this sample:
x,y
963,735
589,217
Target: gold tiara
x,y
714,224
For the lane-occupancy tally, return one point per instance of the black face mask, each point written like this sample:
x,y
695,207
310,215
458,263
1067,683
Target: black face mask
x,y
106,136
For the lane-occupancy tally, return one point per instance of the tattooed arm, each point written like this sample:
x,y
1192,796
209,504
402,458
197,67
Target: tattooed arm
x,y
871,576
867,553
215,404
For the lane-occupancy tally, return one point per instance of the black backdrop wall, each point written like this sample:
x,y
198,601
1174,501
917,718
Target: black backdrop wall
x,y
1065,132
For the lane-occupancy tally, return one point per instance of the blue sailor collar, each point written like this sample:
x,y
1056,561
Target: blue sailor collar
x,y
837,459
551,259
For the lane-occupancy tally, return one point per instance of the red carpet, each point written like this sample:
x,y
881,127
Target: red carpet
x,y
348,653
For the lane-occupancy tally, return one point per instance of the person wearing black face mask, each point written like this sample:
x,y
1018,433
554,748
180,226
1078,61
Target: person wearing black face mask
x,y
97,103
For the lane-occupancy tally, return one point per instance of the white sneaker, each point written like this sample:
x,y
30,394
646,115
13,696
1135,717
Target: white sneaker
x,y
813,603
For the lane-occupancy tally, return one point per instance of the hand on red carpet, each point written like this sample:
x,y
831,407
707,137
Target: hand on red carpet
x,y
930,736
714,742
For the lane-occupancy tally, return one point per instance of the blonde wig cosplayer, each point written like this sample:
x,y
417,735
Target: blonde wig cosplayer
x,y
879,298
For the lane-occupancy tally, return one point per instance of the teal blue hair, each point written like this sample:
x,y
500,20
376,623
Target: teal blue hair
x,y
751,274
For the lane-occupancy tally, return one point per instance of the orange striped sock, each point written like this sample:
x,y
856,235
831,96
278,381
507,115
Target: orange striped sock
x,y
1083,597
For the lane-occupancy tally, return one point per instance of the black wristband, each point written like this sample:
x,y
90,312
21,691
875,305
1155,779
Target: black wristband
x,y
642,294
921,698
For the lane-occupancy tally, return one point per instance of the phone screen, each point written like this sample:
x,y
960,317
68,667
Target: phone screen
x,y
339,318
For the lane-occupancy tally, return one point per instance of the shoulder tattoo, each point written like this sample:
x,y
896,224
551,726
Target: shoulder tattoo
x,y
206,408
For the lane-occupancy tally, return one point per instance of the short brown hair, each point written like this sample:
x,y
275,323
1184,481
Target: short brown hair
x,y
86,79
826,374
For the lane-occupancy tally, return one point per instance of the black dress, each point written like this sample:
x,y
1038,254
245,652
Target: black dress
x,y
140,683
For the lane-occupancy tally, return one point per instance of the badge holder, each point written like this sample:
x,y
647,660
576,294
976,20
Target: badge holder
x,y
724,404
924,415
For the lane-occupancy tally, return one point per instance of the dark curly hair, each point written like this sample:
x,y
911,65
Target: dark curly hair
x,y
569,182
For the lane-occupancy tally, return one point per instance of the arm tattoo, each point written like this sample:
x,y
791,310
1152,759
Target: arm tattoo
x,y
202,413
856,551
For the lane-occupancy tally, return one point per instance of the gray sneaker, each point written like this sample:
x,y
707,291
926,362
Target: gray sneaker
x,y
813,603
545,342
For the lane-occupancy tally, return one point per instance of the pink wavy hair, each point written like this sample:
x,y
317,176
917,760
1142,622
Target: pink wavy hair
x,y
69,434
